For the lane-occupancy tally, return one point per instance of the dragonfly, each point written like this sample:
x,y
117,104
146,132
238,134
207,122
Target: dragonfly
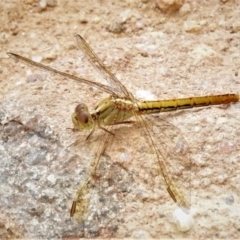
x,y
118,108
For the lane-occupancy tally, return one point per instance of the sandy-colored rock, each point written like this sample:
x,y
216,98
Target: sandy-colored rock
x,y
169,5
43,161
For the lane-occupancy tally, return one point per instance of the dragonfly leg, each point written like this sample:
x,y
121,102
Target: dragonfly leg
x,y
73,129
125,122
104,129
90,134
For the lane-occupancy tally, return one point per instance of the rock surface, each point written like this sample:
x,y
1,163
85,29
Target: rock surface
x,y
42,165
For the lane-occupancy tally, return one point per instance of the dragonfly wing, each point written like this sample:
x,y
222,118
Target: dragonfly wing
x,y
116,85
60,73
98,200
88,152
123,174
172,155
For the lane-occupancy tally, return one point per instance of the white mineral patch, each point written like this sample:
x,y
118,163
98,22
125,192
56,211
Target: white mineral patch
x,y
43,3
52,179
37,58
144,95
183,221
141,234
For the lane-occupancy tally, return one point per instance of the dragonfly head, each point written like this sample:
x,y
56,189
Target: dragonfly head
x,y
81,117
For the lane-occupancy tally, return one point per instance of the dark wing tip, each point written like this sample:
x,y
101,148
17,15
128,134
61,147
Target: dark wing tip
x,y
78,35
10,54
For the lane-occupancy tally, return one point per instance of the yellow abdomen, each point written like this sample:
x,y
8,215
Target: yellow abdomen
x,y
148,107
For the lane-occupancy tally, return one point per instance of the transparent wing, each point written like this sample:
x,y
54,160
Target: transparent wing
x,y
60,73
172,157
130,169
92,149
116,85
99,200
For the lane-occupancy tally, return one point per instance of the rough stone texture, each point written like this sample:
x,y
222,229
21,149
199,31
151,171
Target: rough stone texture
x,y
43,161
169,5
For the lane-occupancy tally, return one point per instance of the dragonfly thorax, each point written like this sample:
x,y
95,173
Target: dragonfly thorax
x,y
113,110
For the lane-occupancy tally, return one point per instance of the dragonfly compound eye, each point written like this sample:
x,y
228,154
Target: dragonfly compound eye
x,y
82,117
82,114
81,107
